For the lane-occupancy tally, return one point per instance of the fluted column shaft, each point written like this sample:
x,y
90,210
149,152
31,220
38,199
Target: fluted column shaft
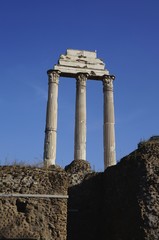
x,y
109,121
80,118
51,119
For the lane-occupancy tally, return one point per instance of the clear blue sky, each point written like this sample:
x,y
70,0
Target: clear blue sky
x,y
33,33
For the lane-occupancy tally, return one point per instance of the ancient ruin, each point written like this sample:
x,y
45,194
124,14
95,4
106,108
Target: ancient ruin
x,y
83,66
77,203
120,203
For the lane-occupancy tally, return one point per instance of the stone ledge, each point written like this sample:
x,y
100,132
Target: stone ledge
x,y
73,71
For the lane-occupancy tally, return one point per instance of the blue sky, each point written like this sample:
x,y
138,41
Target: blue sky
x,y
33,34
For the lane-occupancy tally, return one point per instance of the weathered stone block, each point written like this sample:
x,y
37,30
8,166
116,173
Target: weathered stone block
x,y
83,53
72,72
76,61
30,217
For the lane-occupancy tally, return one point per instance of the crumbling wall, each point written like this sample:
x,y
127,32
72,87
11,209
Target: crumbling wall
x,y
131,196
76,171
84,203
33,218
120,204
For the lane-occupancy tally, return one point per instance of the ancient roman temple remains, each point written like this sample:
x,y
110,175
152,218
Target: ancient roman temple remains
x,y
78,203
83,66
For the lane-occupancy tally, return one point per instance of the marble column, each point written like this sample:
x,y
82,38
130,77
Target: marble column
x,y
51,119
80,118
109,130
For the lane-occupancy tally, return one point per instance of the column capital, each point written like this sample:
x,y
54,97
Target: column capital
x,y
81,78
53,76
108,82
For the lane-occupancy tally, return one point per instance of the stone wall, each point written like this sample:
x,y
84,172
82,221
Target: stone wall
x,y
33,218
131,196
120,204
84,200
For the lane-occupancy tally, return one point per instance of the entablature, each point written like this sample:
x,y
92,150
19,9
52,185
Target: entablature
x,y
77,61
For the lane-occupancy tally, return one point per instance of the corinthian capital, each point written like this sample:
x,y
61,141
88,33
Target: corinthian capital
x,y
108,82
53,76
81,79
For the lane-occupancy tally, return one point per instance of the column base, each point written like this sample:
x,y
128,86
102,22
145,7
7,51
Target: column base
x,y
49,162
